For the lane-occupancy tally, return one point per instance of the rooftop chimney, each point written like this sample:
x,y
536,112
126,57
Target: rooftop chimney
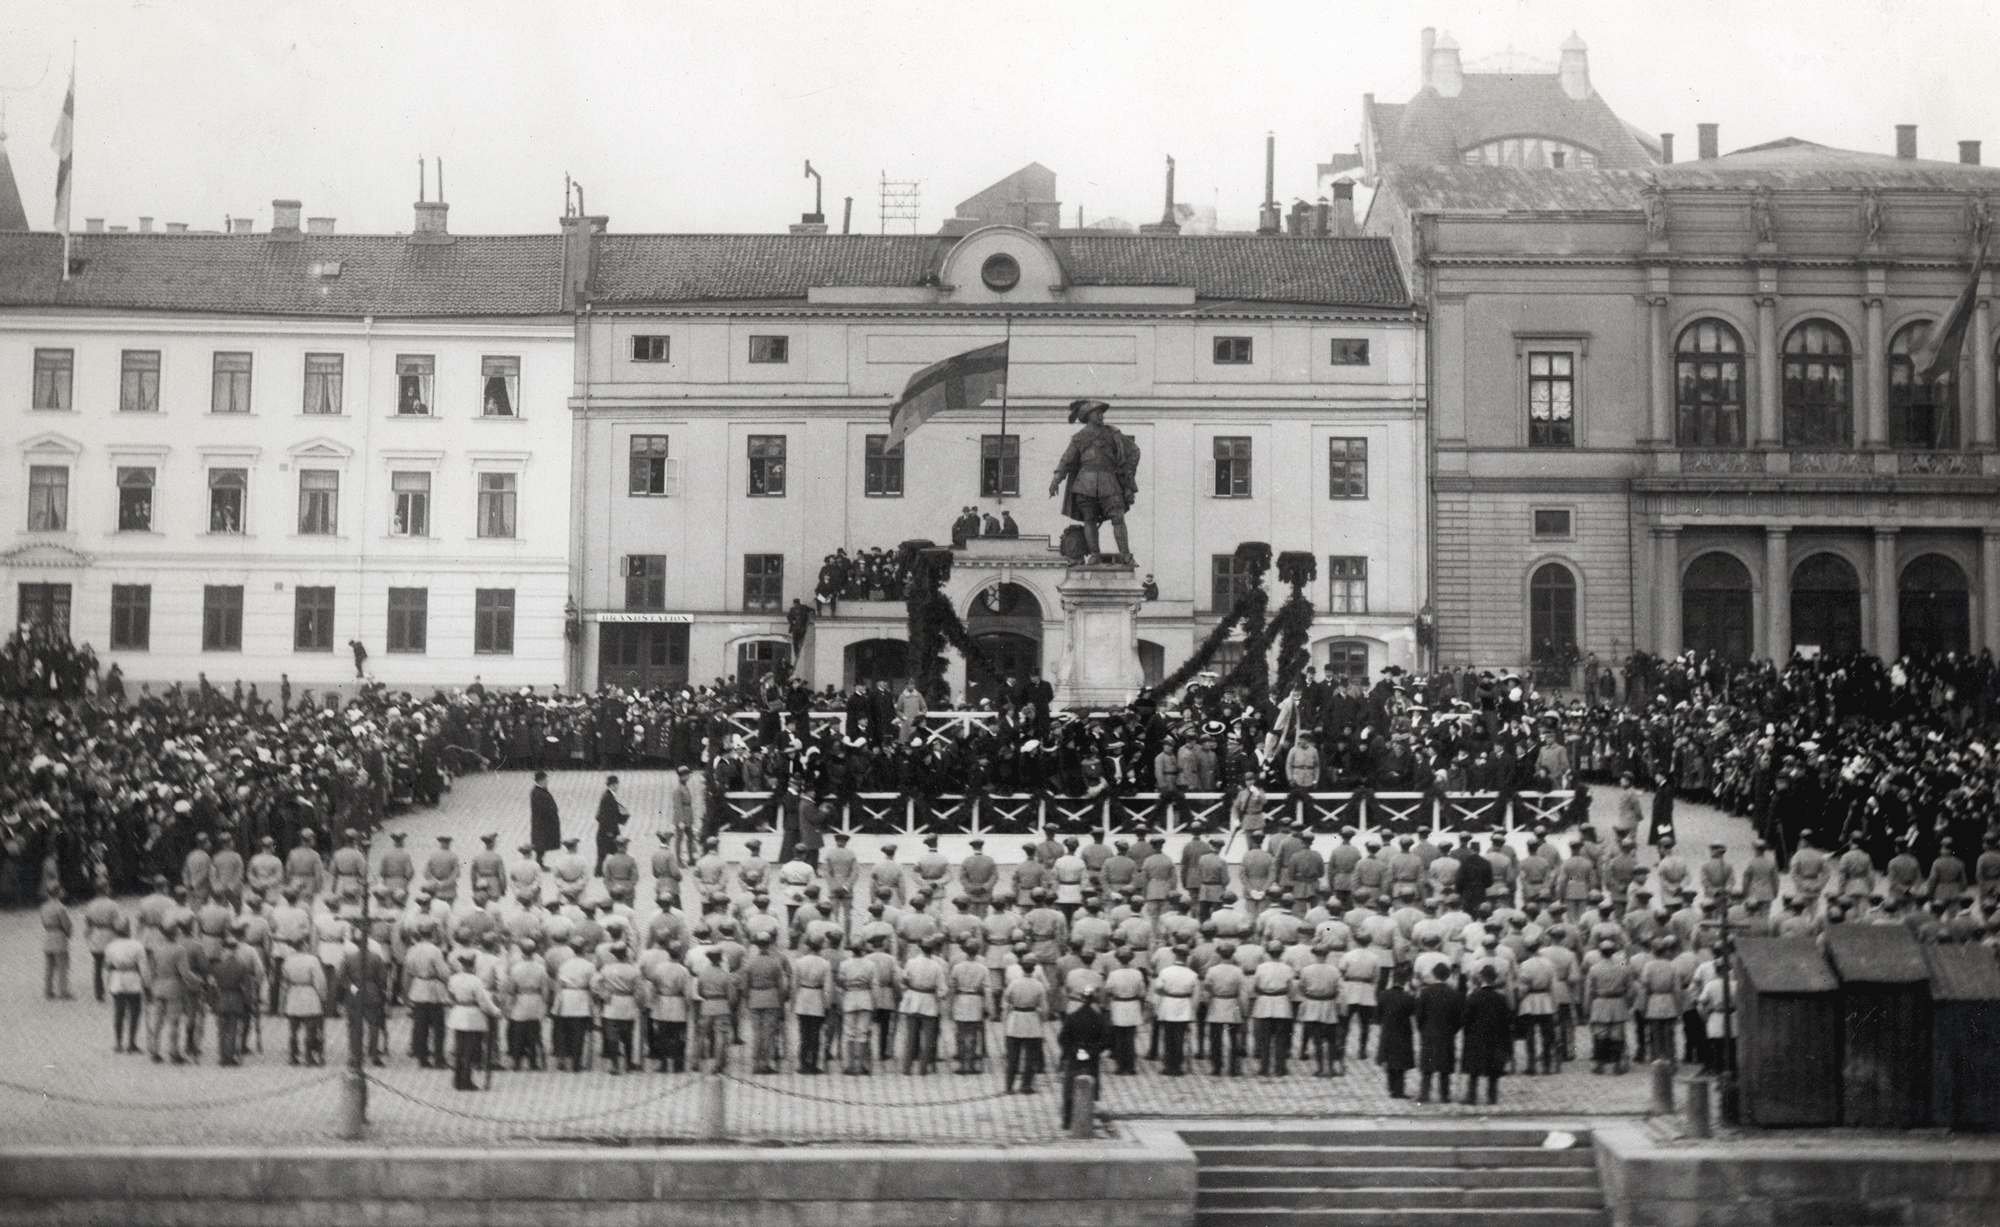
x,y
1168,223
319,225
1428,43
1447,75
580,257
241,225
1298,219
1707,141
285,219
1267,217
430,227
145,225
1667,148
1322,219
1573,72
1968,152
93,225
177,227
120,229
1343,209
1906,141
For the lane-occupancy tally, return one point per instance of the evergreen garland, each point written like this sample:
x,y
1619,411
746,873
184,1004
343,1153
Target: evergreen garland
x,y
1252,673
1298,569
933,622
1203,653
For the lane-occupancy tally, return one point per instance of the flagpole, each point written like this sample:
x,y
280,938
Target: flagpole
x,y
1000,486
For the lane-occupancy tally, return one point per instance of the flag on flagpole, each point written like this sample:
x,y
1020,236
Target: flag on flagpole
x,y
65,146
958,382
1938,354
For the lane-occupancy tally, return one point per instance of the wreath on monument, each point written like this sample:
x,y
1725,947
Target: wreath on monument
x,y
933,623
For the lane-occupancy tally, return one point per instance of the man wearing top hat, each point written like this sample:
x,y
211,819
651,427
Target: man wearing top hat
x,y
1101,466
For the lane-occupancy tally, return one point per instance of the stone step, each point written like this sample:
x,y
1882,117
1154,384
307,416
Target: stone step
x,y
1266,1216
1287,1154
1443,1135
1233,1177
1414,1197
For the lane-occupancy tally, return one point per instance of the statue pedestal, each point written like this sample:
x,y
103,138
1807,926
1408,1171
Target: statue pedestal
x,y
1100,660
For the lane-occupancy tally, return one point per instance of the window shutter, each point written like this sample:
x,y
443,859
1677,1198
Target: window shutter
x,y
673,478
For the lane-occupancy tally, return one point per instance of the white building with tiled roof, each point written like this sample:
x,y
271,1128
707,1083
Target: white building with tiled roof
x,y
733,401
234,454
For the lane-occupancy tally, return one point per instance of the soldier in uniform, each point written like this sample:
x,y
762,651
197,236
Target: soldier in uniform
x,y
622,997
1101,466
1223,988
856,977
1320,985
978,873
472,1005
923,979
667,1016
1025,1004
489,870
1607,993
398,868
767,983
967,983
441,872
125,971
811,977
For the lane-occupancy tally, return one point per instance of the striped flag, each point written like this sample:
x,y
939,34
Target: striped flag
x,y
65,146
1937,355
958,382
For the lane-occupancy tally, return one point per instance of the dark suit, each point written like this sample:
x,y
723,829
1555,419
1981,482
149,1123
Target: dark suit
x,y
1440,1012
1396,1051
1489,1041
544,821
1085,1034
235,986
610,819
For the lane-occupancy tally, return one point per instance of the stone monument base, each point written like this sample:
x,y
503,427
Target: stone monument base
x,y
1100,661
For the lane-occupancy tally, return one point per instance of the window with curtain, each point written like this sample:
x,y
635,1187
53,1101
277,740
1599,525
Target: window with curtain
x,y
226,491
48,498
500,387
409,616
416,379
55,375
324,373
319,502
411,515
497,492
493,621
139,381
135,500
229,388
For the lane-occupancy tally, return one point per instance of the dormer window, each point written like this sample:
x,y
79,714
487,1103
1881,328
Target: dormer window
x,y
1531,151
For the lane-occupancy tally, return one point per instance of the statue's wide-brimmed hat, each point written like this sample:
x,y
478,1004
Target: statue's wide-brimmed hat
x,y
1082,409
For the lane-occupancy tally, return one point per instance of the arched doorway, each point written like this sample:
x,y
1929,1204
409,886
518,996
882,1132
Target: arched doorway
x,y
873,660
1552,623
1934,605
1715,607
1826,605
1005,620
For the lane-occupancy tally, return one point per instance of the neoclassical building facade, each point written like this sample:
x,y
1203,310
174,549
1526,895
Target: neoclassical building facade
x,y
1682,408
732,402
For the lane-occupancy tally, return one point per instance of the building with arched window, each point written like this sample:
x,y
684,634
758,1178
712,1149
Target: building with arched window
x,y
1696,401
732,413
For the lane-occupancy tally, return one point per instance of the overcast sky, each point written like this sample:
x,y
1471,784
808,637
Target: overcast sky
x,y
685,116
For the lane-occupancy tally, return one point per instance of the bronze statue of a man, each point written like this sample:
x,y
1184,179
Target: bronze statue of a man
x,y
1102,468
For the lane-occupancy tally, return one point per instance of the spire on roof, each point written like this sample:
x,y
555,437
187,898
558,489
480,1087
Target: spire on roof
x,y
12,215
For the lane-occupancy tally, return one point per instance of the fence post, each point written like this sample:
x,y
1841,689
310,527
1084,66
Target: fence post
x,y
1083,1106
1697,1113
714,1106
1663,1088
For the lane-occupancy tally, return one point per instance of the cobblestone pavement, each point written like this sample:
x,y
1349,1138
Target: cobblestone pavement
x,y
60,1082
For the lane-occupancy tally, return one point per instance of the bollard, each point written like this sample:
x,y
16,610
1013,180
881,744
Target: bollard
x,y
1697,1113
714,1107
1663,1088
1083,1107
353,1106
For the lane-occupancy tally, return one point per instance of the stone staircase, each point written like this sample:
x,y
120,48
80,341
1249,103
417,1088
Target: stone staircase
x,y
1404,1175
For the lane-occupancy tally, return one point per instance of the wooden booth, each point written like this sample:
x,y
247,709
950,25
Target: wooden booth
x,y
1790,1024
1965,1037
1885,1003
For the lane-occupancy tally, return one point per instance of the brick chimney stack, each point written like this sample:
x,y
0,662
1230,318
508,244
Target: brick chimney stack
x,y
285,220
1906,142
1667,148
1968,152
1573,72
1708,141
1447,73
